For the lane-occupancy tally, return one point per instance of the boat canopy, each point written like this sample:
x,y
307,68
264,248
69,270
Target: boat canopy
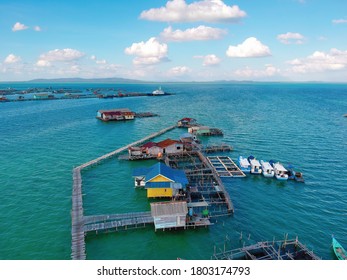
x,y
244,161
279,167
255,162
266,165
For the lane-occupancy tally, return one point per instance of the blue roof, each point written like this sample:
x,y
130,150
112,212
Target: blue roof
x,y
175,175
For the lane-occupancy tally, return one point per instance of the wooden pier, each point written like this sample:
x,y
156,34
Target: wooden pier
x,y
117,222
78,228
120,150
225,166
77,231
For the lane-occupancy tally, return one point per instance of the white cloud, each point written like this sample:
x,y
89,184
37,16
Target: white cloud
x,y
251,47
192,34
37,28
320,61
19,26
101,61
150,52
204,10
58,55
248,72
179,71
209,60
43,63
339,21
62,55
291,38
11,58
98,61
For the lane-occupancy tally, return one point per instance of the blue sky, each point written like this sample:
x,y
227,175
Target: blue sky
x,y
177,40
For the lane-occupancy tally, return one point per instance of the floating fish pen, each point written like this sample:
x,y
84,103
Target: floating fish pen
x,y
205,190
225,167
269,250
216,148
145,115
205,131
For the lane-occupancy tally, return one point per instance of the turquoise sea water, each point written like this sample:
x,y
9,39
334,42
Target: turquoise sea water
x,y
301,124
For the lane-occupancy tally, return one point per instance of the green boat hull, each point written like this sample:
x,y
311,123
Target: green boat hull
x,y
339,251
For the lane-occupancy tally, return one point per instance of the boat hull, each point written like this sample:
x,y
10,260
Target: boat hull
x,y
244,168
268,175
339,251
281,178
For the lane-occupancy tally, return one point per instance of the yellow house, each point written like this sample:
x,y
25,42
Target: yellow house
x,y
161,180
159,186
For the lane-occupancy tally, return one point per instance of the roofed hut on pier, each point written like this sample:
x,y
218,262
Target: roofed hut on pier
x,y
169,214
186,122
115,114
169,146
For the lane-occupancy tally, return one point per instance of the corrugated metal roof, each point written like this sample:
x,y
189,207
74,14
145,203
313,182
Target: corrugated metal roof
x,y
175,175
176,208
149,145
166,143
115,110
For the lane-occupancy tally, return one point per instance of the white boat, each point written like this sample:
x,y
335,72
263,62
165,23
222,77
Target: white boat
x,y
244,164
255,165
268,170
158,91
280,171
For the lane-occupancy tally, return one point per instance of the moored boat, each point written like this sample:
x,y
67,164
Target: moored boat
x,y
255,165
280,171
158,91
244,164
294,175
268,170
339,251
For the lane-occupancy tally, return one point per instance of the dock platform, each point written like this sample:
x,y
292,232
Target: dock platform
x,y
225,167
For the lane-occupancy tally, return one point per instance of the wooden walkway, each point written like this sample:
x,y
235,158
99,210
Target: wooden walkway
x,y
120,150
225,166
77,231
78,228
119,221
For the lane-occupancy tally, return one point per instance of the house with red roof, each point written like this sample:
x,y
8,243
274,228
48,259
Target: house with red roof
x,y
169,146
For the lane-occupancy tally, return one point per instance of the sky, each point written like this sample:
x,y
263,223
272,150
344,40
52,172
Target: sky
x,y
175,40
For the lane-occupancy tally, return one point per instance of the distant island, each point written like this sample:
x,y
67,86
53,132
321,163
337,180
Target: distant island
x,y
117,80
83,80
